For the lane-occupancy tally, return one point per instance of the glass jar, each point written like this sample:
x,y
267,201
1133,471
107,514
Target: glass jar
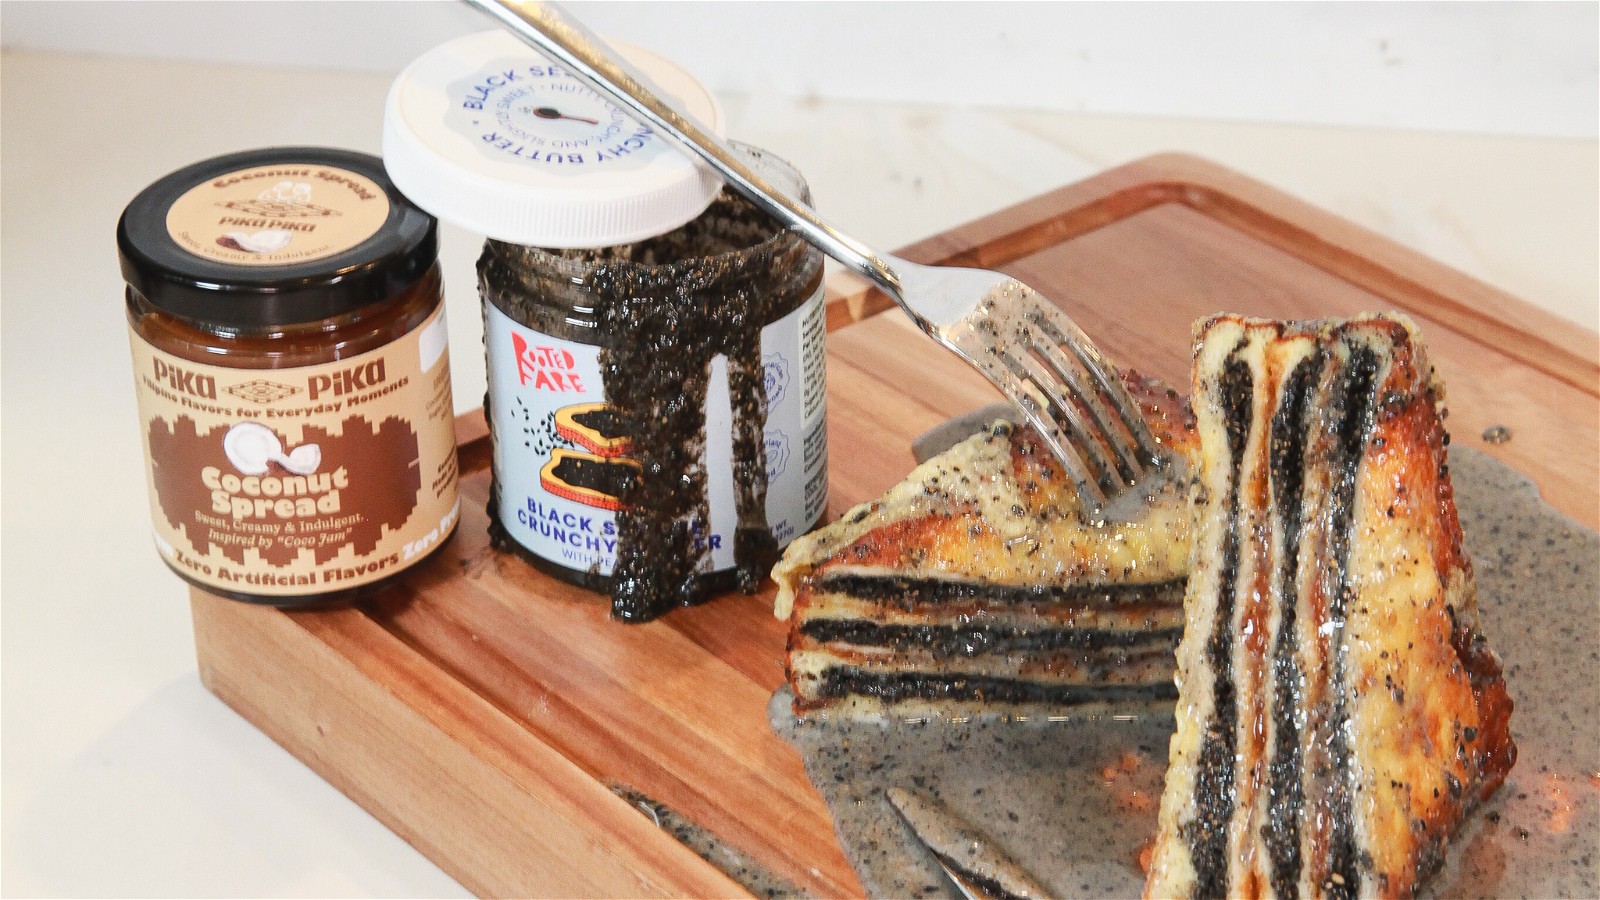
x,y
656,369
291,367
658,408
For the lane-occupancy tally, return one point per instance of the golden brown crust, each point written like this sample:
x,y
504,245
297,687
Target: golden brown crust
x,y
1427,688
969,515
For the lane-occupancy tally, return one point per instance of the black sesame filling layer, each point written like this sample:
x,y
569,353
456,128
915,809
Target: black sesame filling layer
x,y
896,687
1354,396
908,592
977,640
1286,790
1213,799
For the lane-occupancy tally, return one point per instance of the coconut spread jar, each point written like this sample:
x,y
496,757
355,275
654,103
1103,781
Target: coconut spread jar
x,y
654,345
290,362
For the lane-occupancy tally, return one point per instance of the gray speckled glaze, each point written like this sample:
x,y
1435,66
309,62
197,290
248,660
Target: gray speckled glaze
x,y
1076,801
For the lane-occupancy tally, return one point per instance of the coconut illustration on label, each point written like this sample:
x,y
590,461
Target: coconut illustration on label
x,y
252,447
267,241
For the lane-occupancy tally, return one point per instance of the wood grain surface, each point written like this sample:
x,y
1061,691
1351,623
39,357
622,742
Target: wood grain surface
x,y
485,712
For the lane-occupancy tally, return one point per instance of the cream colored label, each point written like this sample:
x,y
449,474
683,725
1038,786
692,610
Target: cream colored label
x,y
277,215
289,482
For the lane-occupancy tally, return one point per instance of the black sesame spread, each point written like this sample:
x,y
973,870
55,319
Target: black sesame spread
x,y
660,311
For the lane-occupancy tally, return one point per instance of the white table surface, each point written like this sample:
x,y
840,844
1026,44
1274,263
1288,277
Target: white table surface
x,y
122,776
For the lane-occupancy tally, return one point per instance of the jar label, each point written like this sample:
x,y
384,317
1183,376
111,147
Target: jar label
x,y
278,215
560,461
307,480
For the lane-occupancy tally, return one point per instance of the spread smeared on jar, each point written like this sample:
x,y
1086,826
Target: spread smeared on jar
x,y
664,310
666,322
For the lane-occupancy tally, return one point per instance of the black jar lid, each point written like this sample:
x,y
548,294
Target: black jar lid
x,y
275,236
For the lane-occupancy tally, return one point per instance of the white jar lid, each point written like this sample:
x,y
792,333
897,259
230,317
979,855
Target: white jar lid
x,y
485,133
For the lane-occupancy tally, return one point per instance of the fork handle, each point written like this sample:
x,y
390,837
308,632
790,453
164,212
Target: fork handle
x,y
549,29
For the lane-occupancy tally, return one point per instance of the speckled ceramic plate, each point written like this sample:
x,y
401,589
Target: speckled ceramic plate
x,y
1075,802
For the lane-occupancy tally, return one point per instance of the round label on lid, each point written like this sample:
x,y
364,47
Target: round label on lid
x,y
486,133
277,214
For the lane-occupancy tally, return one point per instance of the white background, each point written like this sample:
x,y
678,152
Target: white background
x,y
1464,130
1491,68
888,75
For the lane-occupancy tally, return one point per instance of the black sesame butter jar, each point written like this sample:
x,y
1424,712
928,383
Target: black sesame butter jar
x,y
292,371
654,343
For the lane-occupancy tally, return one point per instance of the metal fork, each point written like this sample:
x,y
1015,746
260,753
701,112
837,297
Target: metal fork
x,y
1038,358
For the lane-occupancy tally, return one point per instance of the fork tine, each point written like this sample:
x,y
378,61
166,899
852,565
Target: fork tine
x,y
1062,331
1047,367
1087,396
1067,415
1029,399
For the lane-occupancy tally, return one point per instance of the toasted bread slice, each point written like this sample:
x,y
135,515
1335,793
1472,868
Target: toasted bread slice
x,y
1339,712
981,582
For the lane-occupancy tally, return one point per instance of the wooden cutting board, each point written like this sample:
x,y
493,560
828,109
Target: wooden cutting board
x,y
485,711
